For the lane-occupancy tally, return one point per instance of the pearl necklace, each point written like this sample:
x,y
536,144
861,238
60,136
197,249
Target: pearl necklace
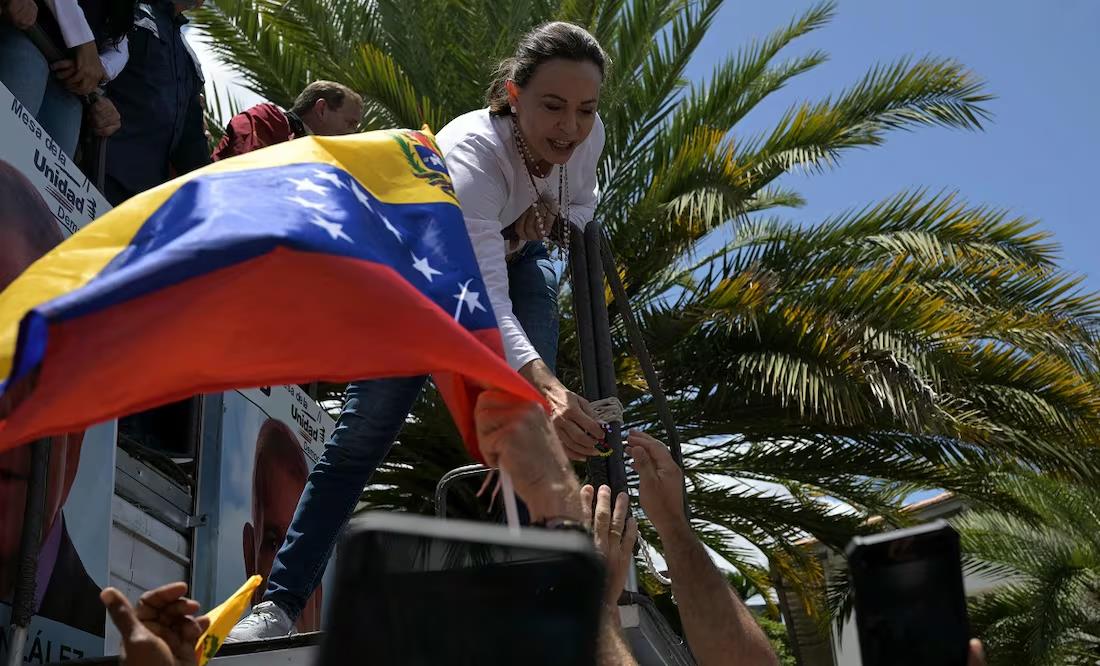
x,y
560,224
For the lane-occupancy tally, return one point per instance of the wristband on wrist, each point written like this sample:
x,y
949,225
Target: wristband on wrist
x,y
563,524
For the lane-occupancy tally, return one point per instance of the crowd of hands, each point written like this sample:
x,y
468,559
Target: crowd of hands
x,y
164,627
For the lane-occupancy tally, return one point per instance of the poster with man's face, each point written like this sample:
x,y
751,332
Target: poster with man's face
x,y
43,198
271,438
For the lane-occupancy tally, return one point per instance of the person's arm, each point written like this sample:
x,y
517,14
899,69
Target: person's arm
x,y
572,416
236,139
481,190
70,18
515,436
612,650
482,193
614,534
83,72
114,57
717,625
20,13
103,117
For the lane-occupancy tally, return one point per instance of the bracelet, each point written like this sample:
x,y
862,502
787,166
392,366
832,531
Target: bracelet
x,y
563,524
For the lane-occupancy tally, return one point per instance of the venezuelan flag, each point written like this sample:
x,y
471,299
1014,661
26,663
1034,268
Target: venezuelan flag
x,y
333,259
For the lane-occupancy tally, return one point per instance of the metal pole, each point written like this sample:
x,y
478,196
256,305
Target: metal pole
x,y
448,479
605,360
637,342
100,162
582,314
23,606
614,465
44,44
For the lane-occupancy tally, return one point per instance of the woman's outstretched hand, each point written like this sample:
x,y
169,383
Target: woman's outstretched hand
x,y
575,423
574,420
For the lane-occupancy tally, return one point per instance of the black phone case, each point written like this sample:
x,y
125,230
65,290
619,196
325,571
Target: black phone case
x,y
416,590
910,601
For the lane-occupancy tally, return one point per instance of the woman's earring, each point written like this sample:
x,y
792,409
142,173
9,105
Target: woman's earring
x,y
512,109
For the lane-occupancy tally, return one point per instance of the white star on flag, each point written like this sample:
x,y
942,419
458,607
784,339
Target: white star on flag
x,y
308,185
308,204
365,200
334,229
336,181
470,298
362,197
434,160
393,229
424,267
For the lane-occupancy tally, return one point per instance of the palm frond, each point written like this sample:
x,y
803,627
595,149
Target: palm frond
x,y
741,82
238,35
1046,553
900,96
220,107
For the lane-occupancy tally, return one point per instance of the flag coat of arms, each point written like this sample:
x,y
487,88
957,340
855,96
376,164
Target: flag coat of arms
x,y
324,258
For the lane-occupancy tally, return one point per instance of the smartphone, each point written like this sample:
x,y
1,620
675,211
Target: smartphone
x,y
416,590
909,599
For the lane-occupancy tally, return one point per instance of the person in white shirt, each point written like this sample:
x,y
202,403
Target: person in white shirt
x,y
96,51
527,164
523,170
96,57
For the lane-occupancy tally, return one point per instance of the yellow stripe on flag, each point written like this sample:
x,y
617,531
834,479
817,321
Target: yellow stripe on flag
x,y
384,162
222,620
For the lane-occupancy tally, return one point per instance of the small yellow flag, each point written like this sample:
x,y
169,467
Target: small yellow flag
x,y
222,620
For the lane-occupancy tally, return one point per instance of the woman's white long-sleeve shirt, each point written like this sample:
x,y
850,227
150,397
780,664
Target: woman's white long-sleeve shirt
x,y
76,31
493,188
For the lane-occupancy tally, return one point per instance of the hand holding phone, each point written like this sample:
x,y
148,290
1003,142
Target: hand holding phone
x,y
909,598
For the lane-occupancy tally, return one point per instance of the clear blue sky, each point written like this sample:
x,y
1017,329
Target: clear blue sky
x,y
1037,157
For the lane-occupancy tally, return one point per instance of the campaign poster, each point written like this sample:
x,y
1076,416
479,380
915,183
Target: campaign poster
x,y
72,562
43,199
271,438
71,198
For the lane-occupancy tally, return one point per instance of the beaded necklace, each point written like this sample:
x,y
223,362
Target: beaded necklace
x,y
559,225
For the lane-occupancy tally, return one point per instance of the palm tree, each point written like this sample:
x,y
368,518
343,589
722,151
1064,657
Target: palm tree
x,y
1047,553
820,373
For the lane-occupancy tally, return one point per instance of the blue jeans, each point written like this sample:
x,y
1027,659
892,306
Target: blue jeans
x,y
373,414
26,74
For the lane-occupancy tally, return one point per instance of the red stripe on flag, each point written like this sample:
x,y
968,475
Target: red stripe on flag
x,y
286,317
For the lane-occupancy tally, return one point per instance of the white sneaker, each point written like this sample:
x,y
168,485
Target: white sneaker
x,y
265,621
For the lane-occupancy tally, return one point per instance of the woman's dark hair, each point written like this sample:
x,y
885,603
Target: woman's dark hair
x,y
118,20
546,42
